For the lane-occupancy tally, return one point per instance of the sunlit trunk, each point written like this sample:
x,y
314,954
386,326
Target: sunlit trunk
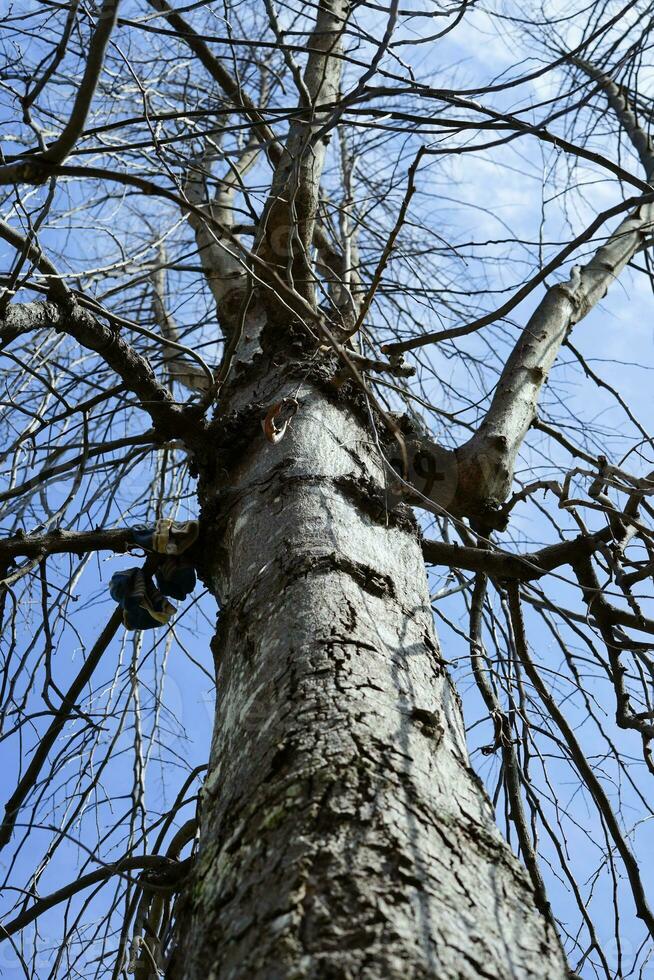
x,y
343,833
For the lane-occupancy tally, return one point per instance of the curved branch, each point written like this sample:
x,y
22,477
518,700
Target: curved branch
x,y
65,313
503,564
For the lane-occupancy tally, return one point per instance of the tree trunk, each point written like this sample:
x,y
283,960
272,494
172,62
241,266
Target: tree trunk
x,y
343,833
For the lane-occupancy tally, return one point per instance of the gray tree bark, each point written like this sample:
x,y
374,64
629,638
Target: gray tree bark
x,y
343,832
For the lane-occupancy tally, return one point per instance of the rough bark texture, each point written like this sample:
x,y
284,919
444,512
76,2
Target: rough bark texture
x,y
343,833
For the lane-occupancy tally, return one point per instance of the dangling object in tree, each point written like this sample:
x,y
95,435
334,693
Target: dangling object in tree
x,y
143,603
144,607
166,537
176,577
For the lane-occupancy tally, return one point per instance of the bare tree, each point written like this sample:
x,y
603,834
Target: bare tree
x,y
292,298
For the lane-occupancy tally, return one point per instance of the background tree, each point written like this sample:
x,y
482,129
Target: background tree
x,y
309,274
